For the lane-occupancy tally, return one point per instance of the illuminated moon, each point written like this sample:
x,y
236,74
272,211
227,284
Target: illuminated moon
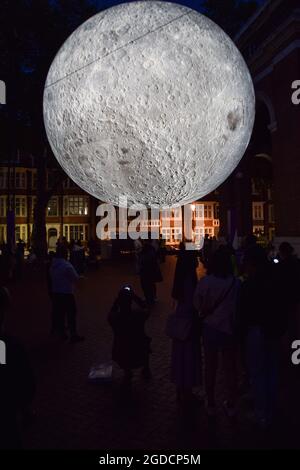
x,y
151,101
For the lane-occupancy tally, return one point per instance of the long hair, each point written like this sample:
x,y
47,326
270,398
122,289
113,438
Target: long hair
x,y
185,269
220,264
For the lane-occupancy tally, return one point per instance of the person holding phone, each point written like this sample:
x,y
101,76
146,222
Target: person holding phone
x,y
131,345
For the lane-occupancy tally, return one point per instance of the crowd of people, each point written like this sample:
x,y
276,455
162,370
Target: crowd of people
x,y
240,311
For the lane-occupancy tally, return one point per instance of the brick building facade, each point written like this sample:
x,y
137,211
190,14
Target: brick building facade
x,y
270,44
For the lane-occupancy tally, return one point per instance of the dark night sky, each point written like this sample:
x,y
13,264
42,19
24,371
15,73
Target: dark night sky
x,y
195,4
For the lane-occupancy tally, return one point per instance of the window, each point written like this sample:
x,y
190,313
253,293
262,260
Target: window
x,y
258,230
255,187
208,213
76,205
177,233
20,232
2,233
166,233
199,211
216,211
177,213
166,214
3,206
20,179
52,209
34,179
20,206
258,211
209,231
76,232
66,232
199,231
3,179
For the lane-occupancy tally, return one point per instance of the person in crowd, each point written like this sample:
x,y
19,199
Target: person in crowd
x,y
271,251
9,262
54,322
288,270
249,242
206,250
162,249
92,246
32,258
262,322
216,301
20,250
186,370
131,345
17,383
149,272
63,279
77,256
233,257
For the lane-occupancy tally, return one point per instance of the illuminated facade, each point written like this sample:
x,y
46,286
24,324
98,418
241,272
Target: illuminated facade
x,y
71,212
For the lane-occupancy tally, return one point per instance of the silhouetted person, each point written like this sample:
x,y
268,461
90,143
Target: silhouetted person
x,y
206,250
77,256
131,345
262,322
20,250
17,385
216,300
288,269
63,279
149,272
92,246
186,350
54,320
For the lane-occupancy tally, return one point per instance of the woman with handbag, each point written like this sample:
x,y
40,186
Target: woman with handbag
x,y
216,301
183,328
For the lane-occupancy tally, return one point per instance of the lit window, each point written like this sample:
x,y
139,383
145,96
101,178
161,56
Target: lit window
x,y
76,205
208,213
199,211
52,209
20,233
20,206
258,211
2,233
3,206
78,232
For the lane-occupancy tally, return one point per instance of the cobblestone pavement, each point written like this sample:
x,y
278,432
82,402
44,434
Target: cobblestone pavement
x,y
72,413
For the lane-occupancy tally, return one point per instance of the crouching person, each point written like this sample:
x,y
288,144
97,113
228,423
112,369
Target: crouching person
x,y
131,345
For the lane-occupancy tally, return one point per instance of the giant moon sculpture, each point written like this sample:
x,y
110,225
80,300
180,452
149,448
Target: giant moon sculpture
x,y
149,100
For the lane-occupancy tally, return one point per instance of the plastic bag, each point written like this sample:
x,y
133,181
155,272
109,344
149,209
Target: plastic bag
x,y
101,373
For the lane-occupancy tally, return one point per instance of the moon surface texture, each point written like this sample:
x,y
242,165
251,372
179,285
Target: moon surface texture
x,y
149,100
